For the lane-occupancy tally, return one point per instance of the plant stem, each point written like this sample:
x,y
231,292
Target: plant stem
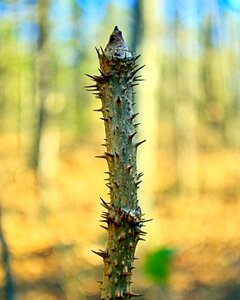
x,y
123,216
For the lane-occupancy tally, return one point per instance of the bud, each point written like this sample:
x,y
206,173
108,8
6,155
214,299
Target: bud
x,y
116,46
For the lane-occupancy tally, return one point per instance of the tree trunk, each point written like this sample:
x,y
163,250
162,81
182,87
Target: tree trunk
x,y
43,79
148,98
123,216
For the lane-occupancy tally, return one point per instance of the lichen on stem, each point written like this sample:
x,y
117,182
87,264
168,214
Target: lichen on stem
x,y
123,218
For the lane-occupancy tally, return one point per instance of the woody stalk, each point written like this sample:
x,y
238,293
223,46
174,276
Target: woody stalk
x,y
122,217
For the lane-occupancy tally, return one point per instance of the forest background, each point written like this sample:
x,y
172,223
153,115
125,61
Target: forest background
x,y
50,181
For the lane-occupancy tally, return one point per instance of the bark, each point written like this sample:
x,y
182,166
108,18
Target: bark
x,y
123,216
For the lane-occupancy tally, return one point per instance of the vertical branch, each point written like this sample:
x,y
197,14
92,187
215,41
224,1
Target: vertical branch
x,y
123,217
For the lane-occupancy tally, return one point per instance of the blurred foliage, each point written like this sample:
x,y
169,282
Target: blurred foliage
x,y
190,111
157,265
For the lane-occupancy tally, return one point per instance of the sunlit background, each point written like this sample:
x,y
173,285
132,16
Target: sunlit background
x,y
50,182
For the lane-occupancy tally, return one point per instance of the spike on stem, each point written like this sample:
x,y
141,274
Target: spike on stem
x,y
140,143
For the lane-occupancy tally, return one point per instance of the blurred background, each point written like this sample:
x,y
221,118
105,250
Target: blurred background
x,y
50,182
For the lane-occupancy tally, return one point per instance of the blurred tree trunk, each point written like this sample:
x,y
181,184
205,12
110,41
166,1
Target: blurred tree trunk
x,y
186,91
148,101
78,96
2,97
233,77
43,77
9,285
214,70
137,26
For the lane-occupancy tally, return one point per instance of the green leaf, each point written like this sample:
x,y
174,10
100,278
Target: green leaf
x,y
157,265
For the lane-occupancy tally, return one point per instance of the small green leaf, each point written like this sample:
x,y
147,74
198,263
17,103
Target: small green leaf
x,y
157,265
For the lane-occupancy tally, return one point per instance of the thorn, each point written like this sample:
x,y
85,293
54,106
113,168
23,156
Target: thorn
x,y
136,70
92,90
104,221
140,175
128,168
124,90
130,137
136,125
101,72
136,57
130,245
101,253
104,119
117,185
105,215
101,156
118,101
104,227
143,232
134,116
139,143
109,186
134,84
144,221
97,50
138,78
98,110
102,51
140,239
90,86
131,294
126,272
139,230
109,154
138,182
115,263
104,203
95,78
117,295
100,281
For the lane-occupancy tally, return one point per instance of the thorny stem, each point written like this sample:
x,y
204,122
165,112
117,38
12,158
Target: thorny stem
x,y
123,217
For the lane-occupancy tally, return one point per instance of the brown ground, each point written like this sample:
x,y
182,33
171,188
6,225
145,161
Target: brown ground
x,y
52,225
